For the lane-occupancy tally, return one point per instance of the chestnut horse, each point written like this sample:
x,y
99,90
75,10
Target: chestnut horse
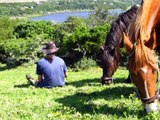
x,y
141,40
111,52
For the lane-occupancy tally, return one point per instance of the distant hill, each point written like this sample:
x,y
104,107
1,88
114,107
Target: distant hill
x,y
13,1
39,7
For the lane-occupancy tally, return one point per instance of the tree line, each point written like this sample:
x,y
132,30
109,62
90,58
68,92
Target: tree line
x,y
32,8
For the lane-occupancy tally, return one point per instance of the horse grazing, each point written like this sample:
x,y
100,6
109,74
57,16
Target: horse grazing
x,y
141,40
111,52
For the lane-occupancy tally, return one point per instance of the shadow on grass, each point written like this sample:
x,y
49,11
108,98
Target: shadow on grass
x,y
119,80
2,68
83,102
22,86
94,82
89,82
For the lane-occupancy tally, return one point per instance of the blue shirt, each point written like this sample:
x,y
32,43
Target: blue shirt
x,y
53,72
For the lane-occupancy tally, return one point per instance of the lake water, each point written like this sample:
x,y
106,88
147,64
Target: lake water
x,y
60,17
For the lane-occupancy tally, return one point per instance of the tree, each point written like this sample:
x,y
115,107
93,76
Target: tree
x,y
33,29
7,27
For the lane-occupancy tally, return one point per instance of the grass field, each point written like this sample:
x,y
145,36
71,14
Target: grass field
x,y
83,99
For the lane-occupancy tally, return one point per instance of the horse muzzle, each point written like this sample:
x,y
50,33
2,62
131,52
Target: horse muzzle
x,y
151,104
152,107
106,80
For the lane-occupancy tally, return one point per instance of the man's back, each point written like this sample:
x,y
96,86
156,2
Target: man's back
x,y
53,73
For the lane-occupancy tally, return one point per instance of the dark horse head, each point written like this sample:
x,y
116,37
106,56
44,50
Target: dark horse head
x,y
111,51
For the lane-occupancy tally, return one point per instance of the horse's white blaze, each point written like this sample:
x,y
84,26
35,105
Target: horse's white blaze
x,y
146,89
151,107
144,70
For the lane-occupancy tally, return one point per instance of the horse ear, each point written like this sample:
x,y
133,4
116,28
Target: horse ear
x,y
152,44
127,43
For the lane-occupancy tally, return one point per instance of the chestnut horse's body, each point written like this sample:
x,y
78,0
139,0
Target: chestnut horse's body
x,y
141,40
111,51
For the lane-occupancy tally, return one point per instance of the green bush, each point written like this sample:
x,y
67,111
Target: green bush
x,y
85,41
84,63
18,51
7,27
33,29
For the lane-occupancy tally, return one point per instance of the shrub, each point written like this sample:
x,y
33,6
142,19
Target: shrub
x,y
32,29
84,63
18,51
84,41
7,27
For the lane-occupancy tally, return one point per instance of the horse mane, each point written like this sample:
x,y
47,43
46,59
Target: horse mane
x,y
144,55
143,28
145,21
114,37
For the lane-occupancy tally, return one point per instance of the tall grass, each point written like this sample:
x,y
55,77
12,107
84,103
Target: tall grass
x,y
83,99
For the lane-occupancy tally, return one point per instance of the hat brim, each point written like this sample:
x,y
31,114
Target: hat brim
x,y
46,51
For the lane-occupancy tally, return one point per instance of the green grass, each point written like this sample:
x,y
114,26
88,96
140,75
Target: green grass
x,y
83,99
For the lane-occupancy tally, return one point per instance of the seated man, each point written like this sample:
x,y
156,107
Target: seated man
x,y
51,70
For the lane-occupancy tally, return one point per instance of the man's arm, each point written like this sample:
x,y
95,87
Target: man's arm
x,y
40,78
65,74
